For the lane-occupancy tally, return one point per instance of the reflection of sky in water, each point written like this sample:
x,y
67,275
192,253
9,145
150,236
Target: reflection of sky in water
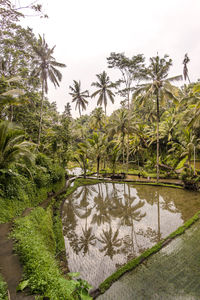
x,y
75,171
98,215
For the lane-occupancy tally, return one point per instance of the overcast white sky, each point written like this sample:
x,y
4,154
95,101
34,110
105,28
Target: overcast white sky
x,y
85,32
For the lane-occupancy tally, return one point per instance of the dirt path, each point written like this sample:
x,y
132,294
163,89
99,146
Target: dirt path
x,y
10,266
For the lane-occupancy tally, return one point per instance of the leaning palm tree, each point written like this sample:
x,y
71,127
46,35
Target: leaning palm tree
x,y
104,86
46,68
159,89
78,96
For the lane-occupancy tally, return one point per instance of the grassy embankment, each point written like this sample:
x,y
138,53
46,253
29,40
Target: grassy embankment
x,y
39,243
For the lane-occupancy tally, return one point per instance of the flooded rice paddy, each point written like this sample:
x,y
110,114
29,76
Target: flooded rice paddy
x,y
107,224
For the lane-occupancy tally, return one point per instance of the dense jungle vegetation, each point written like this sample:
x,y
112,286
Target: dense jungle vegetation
x,y
155,132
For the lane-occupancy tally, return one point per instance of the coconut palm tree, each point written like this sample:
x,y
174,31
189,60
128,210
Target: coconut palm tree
x,y
78,96
46,68
159,89
104,86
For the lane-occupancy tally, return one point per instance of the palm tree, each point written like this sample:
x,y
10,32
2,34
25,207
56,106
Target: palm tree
x,y
119,126
104,91
78,96
97,119
82,157
45,69
160,88
97,142
13,148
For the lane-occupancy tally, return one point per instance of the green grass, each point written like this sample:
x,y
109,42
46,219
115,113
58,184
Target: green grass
x,y
36,245
3,289
135,262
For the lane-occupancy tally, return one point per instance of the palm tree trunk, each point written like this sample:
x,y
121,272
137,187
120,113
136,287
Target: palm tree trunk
x,y
194,160
123,150
41,114
79,111
127,158
158,120
98,162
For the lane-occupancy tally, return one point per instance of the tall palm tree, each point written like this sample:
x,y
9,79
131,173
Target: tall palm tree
x,y
104,86
45,69
159,88
78,96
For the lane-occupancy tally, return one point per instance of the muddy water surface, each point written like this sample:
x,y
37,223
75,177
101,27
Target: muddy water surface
x,y
107,224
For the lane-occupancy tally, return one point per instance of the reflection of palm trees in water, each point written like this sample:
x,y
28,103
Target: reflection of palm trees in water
x,y
163,199
80,208
128,210
83,211
87,239
101,205
110,241
152,197
69,224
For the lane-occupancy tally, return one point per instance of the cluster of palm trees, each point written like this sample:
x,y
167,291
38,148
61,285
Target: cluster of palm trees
x,y
159,112
104,92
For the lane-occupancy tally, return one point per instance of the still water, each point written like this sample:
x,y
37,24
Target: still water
x,y
107,224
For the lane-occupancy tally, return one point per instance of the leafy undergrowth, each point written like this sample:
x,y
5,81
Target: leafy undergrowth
x,y
3,289
13,207
37,248
135,262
